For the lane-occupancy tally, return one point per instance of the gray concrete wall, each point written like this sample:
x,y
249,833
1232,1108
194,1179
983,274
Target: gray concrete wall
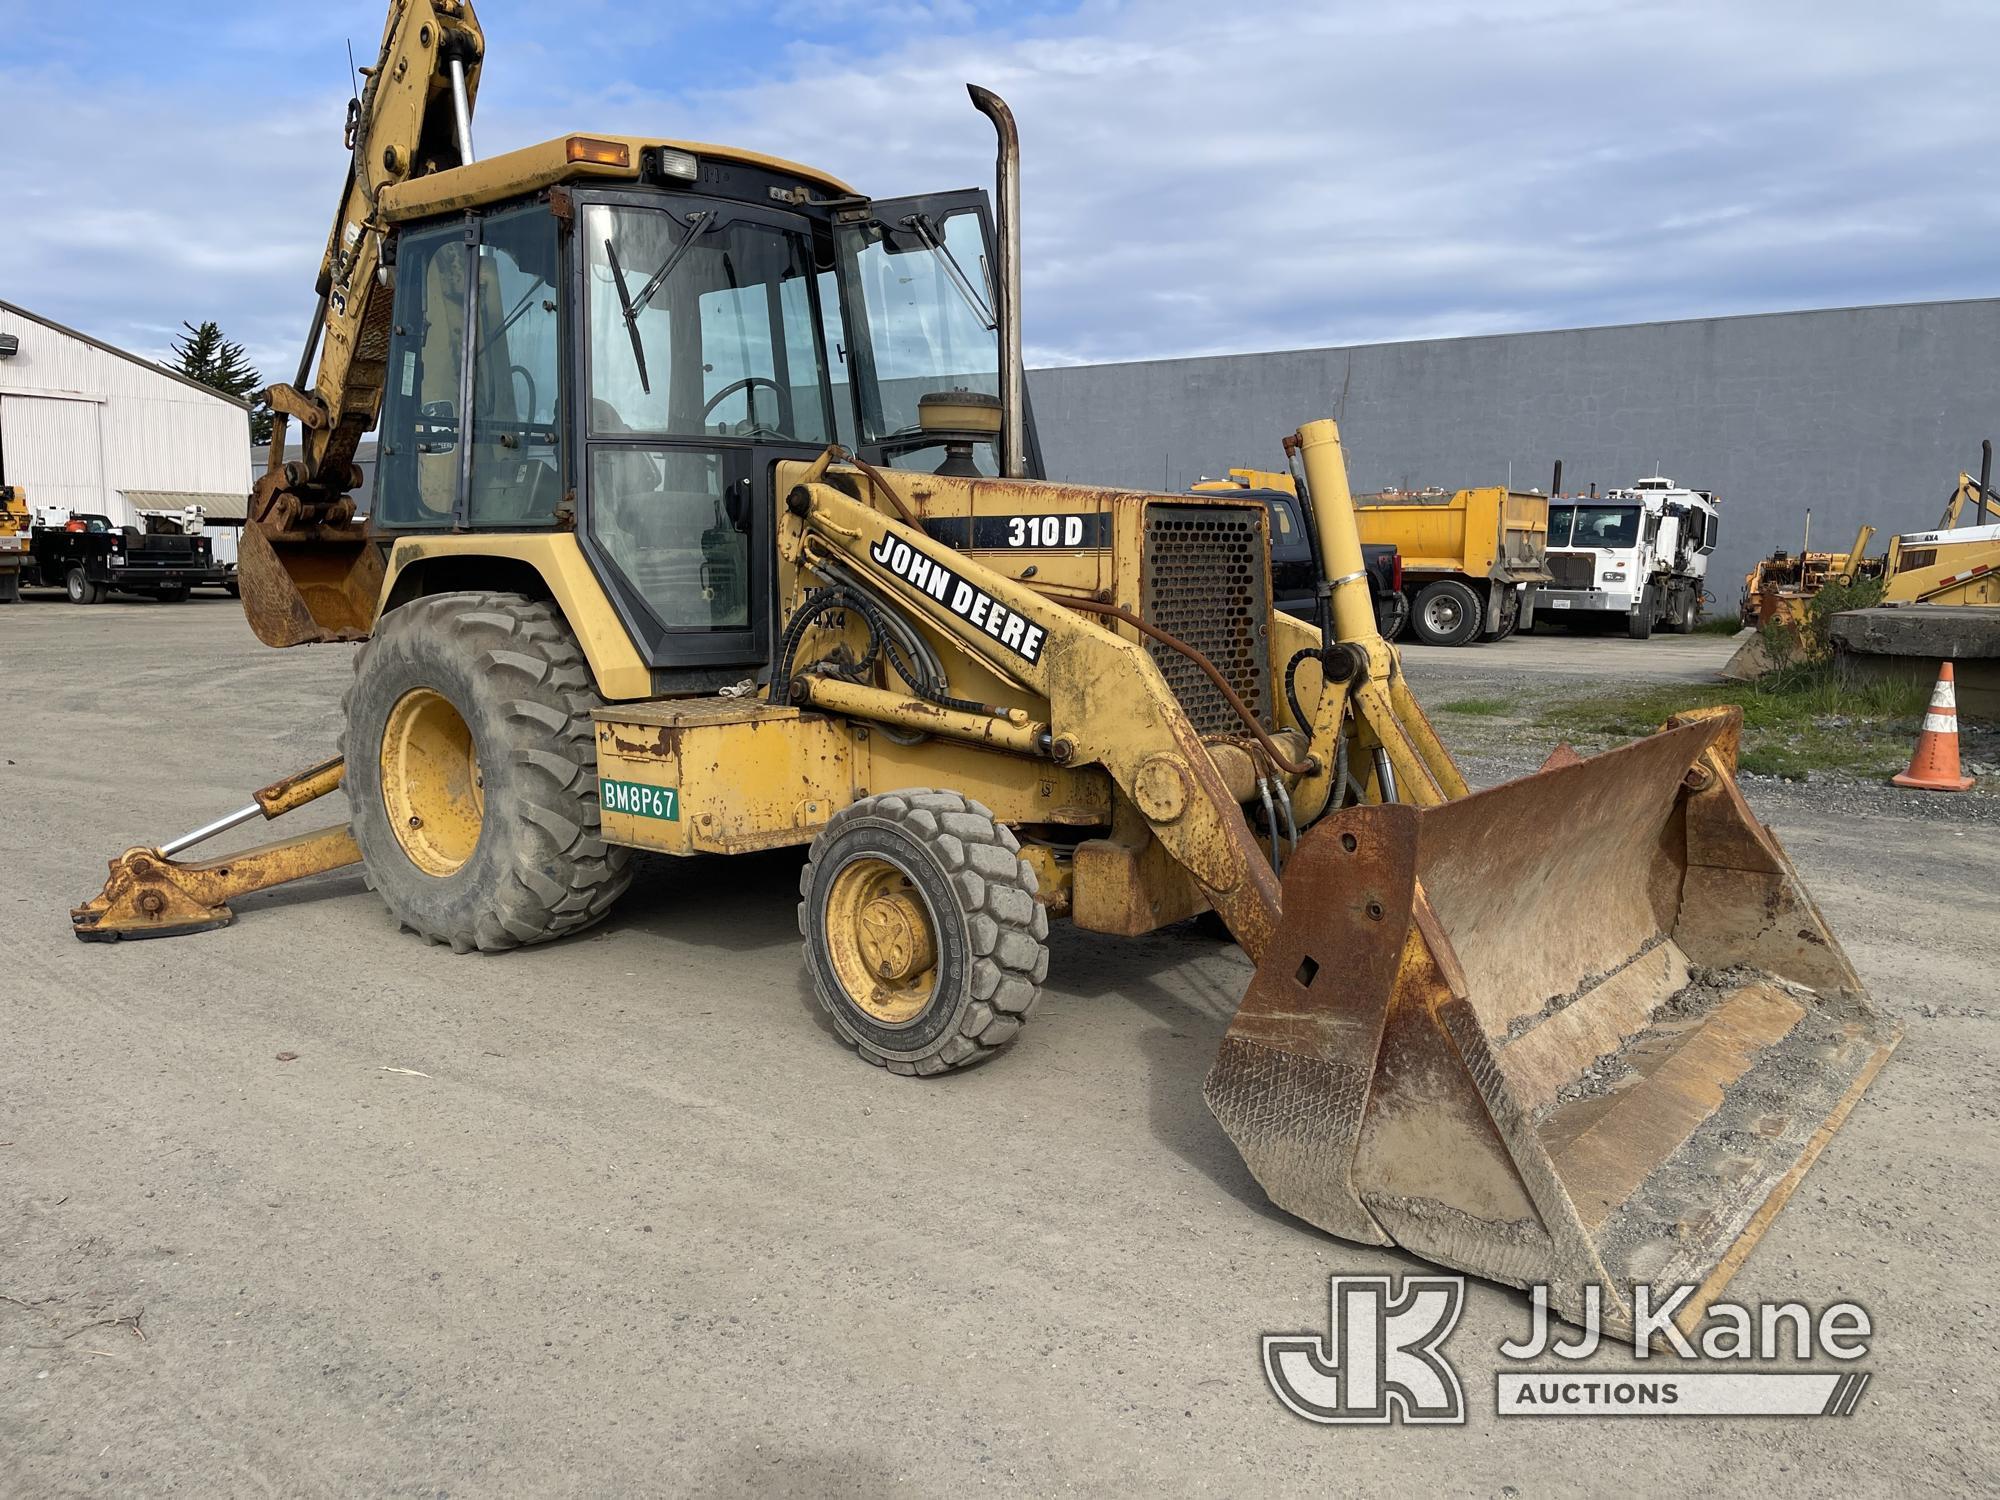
x,y
1862,413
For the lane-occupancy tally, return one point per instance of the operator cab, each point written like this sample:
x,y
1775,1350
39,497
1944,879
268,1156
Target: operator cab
x,y
630,348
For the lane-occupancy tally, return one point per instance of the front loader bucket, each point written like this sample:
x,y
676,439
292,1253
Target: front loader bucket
x,y
1586,1028
319,584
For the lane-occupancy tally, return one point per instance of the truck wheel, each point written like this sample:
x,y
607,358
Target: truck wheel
x,y
1639,624
922,933
10,586
1446,613
1392,613
472,773
1510,615
1684,617
81,590
173,593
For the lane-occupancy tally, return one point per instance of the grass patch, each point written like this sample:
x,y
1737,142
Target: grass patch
x,y
1794,721
1483,708
1720,625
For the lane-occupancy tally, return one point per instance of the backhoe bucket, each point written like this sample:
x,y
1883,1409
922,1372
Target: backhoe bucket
x,y
1583,1029
317,584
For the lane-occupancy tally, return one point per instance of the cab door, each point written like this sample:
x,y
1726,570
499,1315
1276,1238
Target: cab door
x,y
703,363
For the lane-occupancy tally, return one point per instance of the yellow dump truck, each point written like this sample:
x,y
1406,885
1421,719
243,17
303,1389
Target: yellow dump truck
x,y
1471,559
15,524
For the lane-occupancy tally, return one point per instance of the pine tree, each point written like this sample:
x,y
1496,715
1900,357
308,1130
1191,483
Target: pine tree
x,y
204,355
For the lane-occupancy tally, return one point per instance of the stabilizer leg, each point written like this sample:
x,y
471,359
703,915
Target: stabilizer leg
x,y
149,894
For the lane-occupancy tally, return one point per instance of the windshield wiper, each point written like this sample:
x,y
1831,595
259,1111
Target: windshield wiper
x,y
632,306
927,232
699,225
631,315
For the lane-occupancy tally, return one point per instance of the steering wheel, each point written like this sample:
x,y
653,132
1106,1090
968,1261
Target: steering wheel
x,y
745,384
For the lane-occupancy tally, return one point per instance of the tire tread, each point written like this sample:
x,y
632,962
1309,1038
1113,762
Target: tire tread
x,y
524,643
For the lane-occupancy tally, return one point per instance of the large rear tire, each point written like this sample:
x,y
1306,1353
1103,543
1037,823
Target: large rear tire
x,y
1446,613
924,939
1510,614
1685,616
472,773
80,589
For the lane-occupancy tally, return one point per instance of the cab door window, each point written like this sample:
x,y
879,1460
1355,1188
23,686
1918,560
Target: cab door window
x,y
702,328
417,483
515,470
704,344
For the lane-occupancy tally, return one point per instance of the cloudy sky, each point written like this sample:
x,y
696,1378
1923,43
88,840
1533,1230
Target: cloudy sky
x,y
1200,177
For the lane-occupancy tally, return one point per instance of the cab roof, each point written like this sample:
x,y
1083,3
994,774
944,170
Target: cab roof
x,y
570,158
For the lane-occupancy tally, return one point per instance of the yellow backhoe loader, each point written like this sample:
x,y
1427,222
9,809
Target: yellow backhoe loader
x,y
706,521
1959,561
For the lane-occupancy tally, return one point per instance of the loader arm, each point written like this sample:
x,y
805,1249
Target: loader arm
x,y
1108,704
306,572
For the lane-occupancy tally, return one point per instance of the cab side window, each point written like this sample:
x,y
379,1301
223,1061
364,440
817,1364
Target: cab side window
x,y
420,431
517,374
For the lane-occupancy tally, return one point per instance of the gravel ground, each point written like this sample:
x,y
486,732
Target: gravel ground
x,y
305,1207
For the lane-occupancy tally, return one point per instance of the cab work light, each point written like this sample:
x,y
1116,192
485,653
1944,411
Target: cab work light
x,y
678,163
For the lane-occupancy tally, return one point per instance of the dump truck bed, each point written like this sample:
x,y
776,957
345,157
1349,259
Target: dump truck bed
x,y
1487,532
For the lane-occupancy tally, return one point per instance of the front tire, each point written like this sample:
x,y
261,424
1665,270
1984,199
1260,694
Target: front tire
x,y
1446,613
924,939
472,774
1639,624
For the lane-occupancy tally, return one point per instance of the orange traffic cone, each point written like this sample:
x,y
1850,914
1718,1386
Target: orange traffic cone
x,y
1934,766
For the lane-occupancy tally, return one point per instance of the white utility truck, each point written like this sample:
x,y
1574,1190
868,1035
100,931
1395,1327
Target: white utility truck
x,y
1640,554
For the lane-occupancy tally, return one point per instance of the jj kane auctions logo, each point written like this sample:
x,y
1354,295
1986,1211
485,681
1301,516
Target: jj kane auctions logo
x,y
1382,1359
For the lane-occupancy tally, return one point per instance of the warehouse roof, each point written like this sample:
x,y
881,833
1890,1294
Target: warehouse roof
x,y
154,365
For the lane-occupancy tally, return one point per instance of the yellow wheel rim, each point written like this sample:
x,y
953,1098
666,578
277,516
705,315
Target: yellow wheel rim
x,y
431,782
881,940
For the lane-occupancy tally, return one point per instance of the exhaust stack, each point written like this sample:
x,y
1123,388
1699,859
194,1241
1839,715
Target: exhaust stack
x,y
1007,228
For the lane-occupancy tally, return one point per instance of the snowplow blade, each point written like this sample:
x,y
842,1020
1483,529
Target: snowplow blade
x,y
320,583
1583,1029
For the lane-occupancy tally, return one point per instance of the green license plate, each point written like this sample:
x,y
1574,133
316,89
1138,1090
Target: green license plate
x,y
639,799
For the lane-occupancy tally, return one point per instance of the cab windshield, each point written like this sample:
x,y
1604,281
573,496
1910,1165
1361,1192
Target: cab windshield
x,y
921,285
1611,527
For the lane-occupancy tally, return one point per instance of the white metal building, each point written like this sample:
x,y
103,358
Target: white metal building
x,y
87,427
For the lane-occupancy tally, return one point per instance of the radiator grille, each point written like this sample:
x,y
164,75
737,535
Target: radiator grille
x,y
1573,570
1208,582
